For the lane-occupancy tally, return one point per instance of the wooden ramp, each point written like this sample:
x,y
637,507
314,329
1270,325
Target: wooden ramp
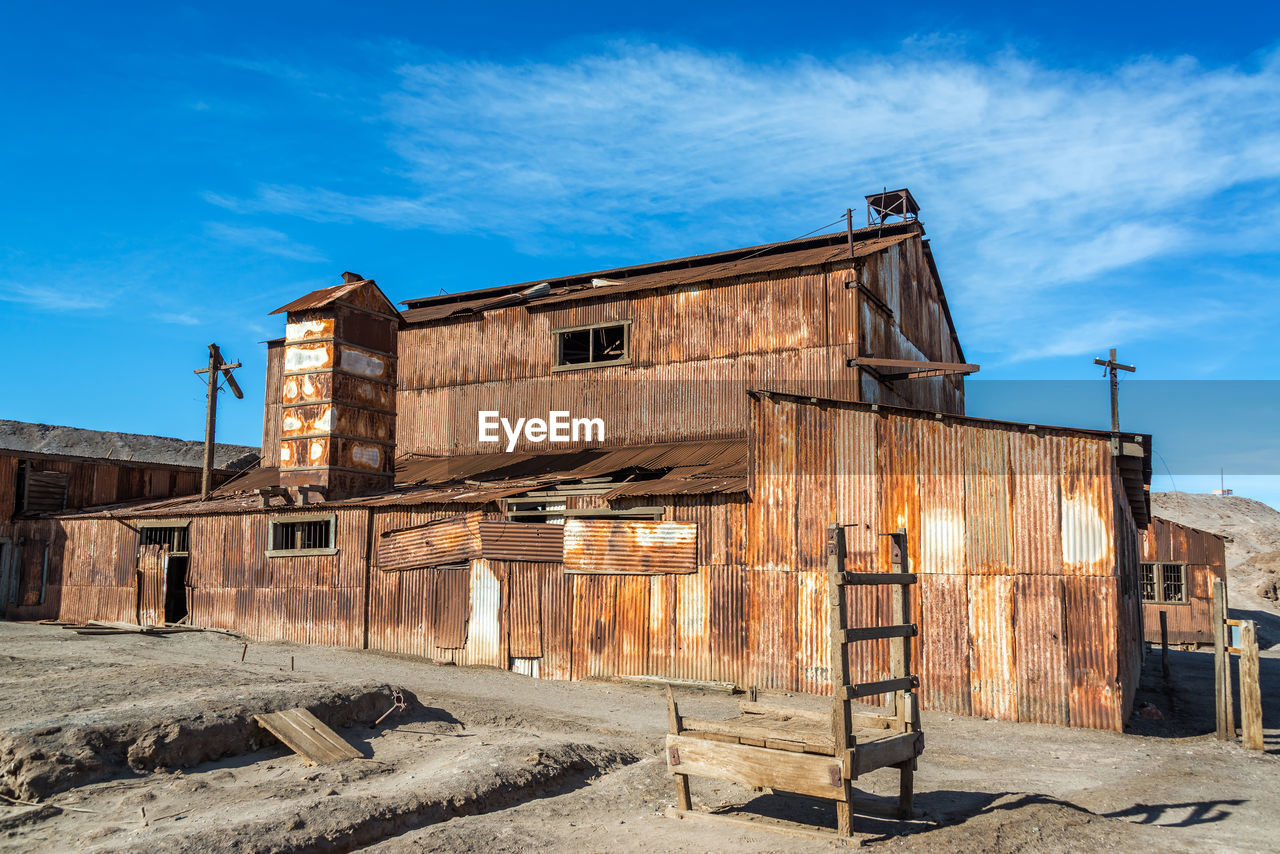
x,y
307,736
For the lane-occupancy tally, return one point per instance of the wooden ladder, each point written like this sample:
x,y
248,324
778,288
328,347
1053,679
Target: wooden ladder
x,y
903,709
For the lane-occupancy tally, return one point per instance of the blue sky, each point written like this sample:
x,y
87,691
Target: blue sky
x,y
1093,175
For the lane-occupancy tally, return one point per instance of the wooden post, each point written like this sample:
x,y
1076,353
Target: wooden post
x,y
210,419
1221,664
684,801
841,713
1250,689
1164,644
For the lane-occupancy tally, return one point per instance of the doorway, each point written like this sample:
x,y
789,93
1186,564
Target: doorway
x,y
174,537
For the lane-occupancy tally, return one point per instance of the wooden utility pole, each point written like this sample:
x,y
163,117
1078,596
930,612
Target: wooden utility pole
x,y
216,366
1112,366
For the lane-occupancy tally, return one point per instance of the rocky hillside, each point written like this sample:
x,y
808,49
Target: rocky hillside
x,y
1253,552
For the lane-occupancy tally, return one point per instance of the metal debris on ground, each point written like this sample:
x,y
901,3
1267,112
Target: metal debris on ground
x,y
397,705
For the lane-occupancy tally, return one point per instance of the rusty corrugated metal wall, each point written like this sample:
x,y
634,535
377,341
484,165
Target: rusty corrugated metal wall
x,y
694,348
1023,540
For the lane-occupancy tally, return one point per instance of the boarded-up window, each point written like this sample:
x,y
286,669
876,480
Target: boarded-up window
x,y
446,541
452,607
42,491
630,546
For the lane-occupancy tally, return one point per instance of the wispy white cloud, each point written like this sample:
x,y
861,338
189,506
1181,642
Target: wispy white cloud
x,y
1038,183
52,297
178,318
261,239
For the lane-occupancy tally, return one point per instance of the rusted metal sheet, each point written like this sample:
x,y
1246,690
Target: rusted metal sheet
x,y
629,546
151,584
521,541
447,541
452,607
1039,649
945,643
523,619
1095,700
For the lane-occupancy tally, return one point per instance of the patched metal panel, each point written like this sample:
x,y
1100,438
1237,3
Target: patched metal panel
x,y
522,541
452,608
447,541
484,632
151,564
629,546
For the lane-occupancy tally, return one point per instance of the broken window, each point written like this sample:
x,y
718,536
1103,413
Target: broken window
x,y
293,536
536,510
1164,582
593,345
174,536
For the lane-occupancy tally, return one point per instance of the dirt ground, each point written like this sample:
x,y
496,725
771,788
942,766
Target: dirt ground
x,y
130,743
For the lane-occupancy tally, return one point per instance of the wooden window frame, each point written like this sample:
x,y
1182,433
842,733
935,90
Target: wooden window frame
x,y
1158,580
331,549
557,341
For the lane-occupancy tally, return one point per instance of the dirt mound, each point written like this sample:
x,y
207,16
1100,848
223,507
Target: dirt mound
x,y
1030,824
62,752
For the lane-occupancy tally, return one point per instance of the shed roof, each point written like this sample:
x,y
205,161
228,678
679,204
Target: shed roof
x,y
53,440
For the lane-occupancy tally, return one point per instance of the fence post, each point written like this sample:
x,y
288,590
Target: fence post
x,y
1221,662
1250,690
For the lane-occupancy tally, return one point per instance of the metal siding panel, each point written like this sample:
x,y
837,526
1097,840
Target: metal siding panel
x,y
629,546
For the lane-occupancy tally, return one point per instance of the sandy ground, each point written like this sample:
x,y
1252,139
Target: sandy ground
x,y
146,743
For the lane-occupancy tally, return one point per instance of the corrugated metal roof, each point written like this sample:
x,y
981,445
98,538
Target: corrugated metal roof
x,y
805,252
682,468
325,296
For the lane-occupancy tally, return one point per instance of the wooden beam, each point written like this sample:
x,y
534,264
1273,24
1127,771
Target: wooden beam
x,y
886,686
906,630
803,773
913,366
857,578
867,757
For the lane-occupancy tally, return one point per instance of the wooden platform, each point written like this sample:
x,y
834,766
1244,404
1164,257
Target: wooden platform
x,y
307,736
812,753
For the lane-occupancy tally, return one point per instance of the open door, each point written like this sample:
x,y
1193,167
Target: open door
x,y
151,584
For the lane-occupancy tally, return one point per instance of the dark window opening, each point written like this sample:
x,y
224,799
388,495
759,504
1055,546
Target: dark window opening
x,y
303,535
174,537
540,510
594,345
1164,582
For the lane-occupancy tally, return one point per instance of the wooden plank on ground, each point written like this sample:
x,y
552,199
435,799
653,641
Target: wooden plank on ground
x,y
803,773
307,736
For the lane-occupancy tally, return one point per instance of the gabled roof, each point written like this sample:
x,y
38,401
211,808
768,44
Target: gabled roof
x,y
804,252
352,283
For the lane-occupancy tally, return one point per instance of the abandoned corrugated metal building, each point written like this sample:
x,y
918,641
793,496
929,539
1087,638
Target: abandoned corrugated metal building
x,y
1179,566
46,469
746,400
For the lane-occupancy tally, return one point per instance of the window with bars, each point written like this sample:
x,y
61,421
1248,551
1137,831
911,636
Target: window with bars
x,y
588,346
1165,583
295,536
173,536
